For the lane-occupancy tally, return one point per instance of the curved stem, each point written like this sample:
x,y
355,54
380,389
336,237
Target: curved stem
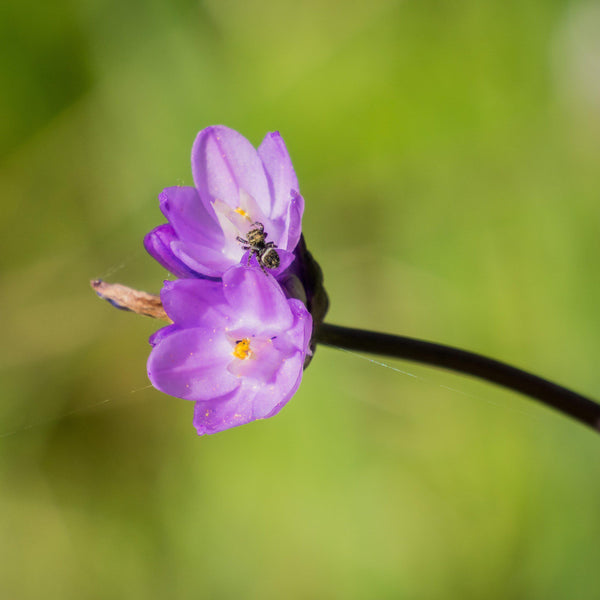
x,y
565,401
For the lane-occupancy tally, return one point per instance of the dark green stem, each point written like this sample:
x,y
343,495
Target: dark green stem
x,y
562,399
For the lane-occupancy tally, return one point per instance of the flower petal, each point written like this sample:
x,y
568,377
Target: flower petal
x,y
192,364
294,221
204,259
190,218
249,402
285,231
297,337
162,333
271,400
158,245
225,162
258,302
195,303
221,414
280,172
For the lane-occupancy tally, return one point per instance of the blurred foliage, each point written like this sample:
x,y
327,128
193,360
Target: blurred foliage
x,y
448,153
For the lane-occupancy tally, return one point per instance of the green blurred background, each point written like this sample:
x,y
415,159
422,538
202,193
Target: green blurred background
x,y
449,154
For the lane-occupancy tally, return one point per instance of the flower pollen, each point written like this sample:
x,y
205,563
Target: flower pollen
x,y
241,211
242,349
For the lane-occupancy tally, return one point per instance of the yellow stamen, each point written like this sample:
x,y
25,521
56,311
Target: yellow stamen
x,y
241,211
242,349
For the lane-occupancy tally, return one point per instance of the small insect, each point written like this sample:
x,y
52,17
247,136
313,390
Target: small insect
x,y
265,252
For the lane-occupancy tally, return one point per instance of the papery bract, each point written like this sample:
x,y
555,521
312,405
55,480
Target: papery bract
x,y
236,185
236,347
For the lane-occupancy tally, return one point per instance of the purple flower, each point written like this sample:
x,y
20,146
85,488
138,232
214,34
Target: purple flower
x,y
236,347
235,186
241,335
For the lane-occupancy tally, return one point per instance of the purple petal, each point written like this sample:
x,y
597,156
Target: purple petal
x,y
190,219
297,337
286,230
280,172
158,245
218,415
289,376
248,403
225,162
296,210
195,303
302,319
203,259
257,301
160,334
272,398
192,364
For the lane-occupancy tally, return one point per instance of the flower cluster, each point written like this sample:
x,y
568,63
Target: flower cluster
x,y
241,306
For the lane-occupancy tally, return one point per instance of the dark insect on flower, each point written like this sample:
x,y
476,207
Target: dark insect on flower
x,y
265,252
